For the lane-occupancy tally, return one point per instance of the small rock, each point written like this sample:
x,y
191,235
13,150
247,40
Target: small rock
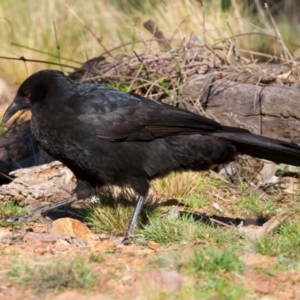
x,y
153,246
265,287
72,228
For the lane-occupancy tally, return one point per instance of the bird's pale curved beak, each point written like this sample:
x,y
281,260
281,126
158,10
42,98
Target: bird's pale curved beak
x,y
18,104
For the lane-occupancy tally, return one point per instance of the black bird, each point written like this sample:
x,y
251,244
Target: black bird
x,y
107,137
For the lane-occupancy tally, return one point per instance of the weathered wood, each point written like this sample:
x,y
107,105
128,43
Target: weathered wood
x,y
269,110
48,183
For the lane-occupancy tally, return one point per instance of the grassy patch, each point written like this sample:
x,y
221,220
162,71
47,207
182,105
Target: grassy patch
x,y
219,288
10,209
211,272
96,258
113,210
255,204
195,188
285,241
284,264
165,230
54,274
215,269
212,259
111,214
214,288
169,230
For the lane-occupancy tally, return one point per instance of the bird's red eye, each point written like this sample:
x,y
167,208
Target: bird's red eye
x,y
27,95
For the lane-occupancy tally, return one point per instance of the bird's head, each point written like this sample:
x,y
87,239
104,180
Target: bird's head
x,y
34,91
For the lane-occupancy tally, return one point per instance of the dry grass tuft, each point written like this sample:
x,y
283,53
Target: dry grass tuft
x,y
89,30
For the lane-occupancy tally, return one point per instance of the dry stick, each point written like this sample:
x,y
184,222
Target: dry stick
x,y
146,42
271,57
45,53
158,34
253,33
288,55
177,29
89,30
57,46
22,58
221,223
126,77
140,59
138,71
131,43
6,176
231,53
267,227
203,9
121,39
215,54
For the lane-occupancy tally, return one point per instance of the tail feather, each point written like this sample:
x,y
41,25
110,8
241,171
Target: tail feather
x,y
264,147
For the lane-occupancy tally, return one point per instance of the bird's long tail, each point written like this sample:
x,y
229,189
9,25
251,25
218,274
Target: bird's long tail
x,y
264,147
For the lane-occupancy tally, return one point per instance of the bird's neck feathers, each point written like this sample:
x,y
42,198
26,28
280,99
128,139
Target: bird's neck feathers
x,y
59,90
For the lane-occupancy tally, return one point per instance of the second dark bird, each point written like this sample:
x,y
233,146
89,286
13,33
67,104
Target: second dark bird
x,y
107,137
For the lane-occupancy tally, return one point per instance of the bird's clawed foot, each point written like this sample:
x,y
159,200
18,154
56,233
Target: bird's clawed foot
x,y
41,212
137,212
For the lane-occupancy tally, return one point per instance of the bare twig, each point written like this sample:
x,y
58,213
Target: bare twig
x,y
88,29
57,45
22,58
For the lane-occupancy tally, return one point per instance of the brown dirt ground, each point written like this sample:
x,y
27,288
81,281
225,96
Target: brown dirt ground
x,y
126,272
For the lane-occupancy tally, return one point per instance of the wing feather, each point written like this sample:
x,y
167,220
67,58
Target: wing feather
x,y
116,115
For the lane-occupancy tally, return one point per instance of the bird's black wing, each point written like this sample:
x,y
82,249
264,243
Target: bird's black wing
x,y
116,115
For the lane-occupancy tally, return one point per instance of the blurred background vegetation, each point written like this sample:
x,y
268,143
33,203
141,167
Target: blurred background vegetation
x,y
85,29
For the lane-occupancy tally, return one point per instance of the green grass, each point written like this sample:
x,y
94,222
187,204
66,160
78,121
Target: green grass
x,y
54,274
285,264
96,258
211,272
112,211
255,204
213,288
219,288
169,230
195,188
285,242
10,209
212,259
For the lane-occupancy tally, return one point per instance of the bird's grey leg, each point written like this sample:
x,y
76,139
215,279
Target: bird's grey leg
x,y
39,212
137,211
